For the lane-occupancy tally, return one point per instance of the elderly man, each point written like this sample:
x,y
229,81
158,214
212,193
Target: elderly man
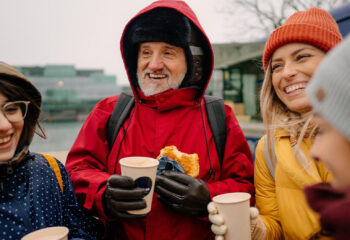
x,y
169,61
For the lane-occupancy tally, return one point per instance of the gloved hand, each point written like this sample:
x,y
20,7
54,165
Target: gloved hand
x,y
183,193
121,195
257,226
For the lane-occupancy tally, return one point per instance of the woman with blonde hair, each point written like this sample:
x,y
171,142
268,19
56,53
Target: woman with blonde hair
x,y
282,164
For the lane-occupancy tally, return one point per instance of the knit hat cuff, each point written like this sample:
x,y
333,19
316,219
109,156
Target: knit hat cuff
x,y
328,92
310,34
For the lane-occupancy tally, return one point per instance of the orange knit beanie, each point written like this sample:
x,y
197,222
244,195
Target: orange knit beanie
x,y
313,26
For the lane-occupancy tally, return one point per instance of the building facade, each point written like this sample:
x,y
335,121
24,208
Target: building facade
x,y
69,93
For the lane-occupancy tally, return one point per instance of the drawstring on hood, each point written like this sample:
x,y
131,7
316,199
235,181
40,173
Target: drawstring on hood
x,y
172,22
6,168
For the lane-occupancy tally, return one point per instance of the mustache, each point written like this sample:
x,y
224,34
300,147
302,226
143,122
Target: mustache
x,y
149,71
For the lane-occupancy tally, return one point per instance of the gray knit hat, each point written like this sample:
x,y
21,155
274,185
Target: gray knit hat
x,y
329,89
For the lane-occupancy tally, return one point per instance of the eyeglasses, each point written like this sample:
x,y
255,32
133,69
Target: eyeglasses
x,y
15,111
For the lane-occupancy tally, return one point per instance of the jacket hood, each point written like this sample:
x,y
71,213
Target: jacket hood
x,y
188,34
12,74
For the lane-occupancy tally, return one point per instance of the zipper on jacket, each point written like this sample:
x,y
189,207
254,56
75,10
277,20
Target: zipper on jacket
x,y
3,188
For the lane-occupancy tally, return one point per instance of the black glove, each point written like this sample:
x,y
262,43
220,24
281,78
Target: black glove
x,y
183,193
122,195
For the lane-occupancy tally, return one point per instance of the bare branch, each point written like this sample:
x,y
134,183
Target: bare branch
x,y
263,16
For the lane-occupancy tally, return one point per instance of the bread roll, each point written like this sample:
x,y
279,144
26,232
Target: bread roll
x,y
189,162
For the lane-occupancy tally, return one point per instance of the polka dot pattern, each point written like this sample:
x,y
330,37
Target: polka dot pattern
x,y
31,199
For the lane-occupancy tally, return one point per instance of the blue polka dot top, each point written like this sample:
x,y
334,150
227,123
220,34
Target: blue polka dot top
x,y
30,199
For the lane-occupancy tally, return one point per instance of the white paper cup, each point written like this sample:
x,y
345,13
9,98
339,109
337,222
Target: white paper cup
x,y
50,233
140,169
234,207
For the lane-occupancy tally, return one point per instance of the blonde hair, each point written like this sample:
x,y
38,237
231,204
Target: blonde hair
x,y
276,115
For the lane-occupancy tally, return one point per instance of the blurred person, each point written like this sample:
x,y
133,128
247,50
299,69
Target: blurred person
x,y
329,96
282,166
31,195
169,61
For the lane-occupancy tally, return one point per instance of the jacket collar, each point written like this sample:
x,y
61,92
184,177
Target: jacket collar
x,y
290,165
17,159
169,99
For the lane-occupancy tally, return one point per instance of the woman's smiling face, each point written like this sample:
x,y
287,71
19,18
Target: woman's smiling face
x,y
292,67
10,133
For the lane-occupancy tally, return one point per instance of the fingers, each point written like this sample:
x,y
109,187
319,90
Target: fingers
x,y
218,227
216,219
214,215
123,187
171,185
171,190
120,181
178,177
168,195
212,209
219,237
219,230
254,212
123,194
127,205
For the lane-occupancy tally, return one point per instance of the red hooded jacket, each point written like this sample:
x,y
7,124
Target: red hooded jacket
x,y
172,117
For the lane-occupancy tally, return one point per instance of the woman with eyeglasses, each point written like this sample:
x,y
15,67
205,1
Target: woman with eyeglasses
x,y
32,195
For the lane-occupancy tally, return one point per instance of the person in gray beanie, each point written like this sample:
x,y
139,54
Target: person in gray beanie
x,y
329,95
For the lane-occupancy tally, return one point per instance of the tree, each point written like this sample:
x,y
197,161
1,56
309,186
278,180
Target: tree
x,y
257,18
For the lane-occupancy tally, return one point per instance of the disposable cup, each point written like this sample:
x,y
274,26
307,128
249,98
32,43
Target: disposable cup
x,y
234,207
50,233
143,171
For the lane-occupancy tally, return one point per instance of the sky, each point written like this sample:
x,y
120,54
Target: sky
x,y
85,33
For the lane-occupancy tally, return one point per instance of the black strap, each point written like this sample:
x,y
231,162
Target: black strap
x,y
121,110
217,120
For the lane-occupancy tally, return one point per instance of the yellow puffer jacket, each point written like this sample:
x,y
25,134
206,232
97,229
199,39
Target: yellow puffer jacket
x,y
281,202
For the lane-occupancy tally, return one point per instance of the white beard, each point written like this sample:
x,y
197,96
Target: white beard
x,y
150,89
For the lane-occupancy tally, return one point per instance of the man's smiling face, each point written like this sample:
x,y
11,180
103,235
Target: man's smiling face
x,y
160,66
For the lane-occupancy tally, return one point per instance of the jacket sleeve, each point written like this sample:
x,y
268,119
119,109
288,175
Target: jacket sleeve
x,y
87,160
237,166
265,194
81,225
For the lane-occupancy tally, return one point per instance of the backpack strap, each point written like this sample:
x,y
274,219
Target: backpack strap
x,y
217,120
267,156
215,111
56,169
121,110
